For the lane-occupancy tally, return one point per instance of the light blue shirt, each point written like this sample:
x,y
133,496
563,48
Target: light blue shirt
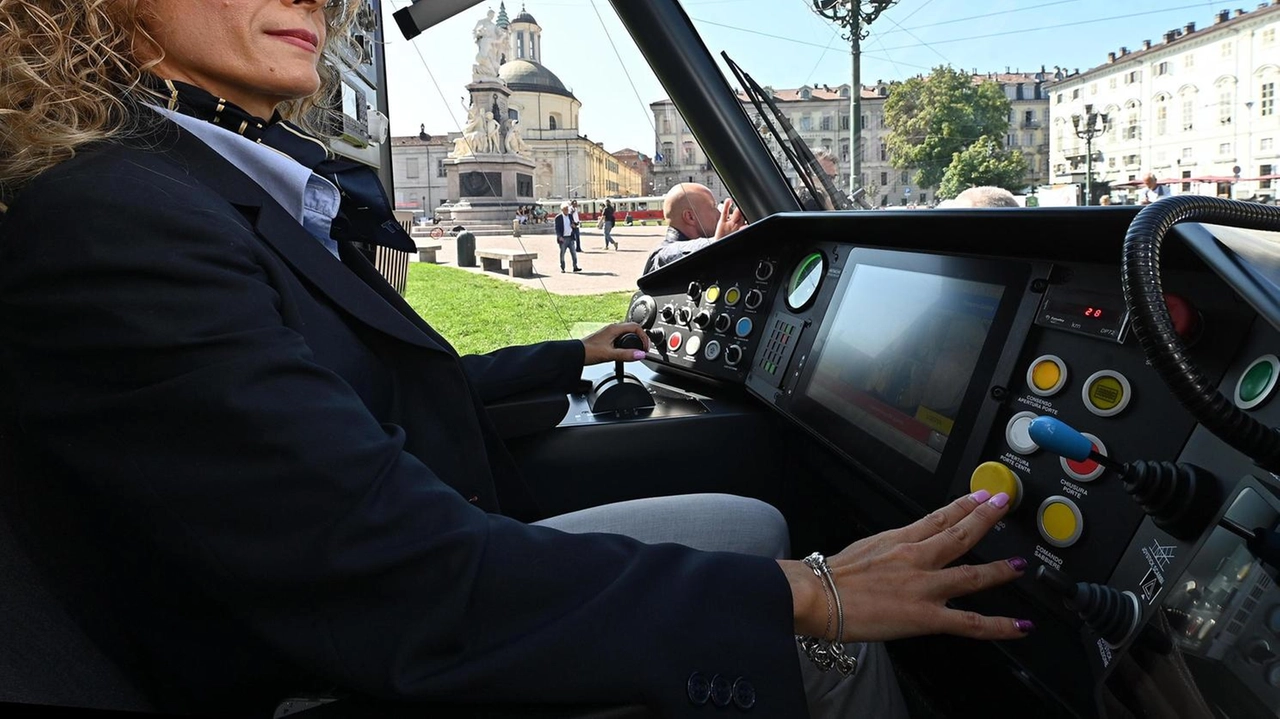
x,y
309,198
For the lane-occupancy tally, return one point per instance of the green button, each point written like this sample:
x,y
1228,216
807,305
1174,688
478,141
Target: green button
x,y
1256,380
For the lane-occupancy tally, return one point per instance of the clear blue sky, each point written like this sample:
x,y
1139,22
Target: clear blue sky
x,y
780,42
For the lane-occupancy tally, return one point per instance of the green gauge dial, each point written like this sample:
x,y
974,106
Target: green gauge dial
x,y
805,280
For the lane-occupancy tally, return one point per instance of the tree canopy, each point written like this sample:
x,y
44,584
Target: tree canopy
x,y
933,118
984,163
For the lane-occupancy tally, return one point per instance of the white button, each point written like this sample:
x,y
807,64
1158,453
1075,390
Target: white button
x,y
1016,434
692,345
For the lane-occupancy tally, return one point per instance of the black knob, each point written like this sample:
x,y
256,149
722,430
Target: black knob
x,y
695,291
1259,651
683,315
668,314
629,341
1109,612
643,310
723,323
754,298
764,270
733,355
657,335
703,319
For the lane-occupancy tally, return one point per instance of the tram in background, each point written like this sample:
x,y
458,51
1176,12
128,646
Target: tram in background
x,y
640,208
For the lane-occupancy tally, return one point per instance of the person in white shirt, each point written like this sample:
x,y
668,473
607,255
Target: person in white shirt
x,y
577,227
1153,191
566,234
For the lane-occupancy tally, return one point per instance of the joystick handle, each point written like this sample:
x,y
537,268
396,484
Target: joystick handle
x,y
1058,437
1111,613
628,341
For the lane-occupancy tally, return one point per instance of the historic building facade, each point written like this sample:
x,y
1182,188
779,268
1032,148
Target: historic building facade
x,y
821,115
1197,109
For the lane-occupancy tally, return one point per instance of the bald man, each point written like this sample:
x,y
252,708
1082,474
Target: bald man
x,y
693,222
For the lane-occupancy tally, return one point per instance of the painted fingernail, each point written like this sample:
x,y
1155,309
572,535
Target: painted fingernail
x,y
638,355
1000,500
1026,626
980,496
1018,564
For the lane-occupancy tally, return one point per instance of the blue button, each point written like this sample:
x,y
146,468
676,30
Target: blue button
x,y
744,693
744,327
721,691
699,688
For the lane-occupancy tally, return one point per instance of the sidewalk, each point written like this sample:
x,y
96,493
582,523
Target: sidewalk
x,y
602,271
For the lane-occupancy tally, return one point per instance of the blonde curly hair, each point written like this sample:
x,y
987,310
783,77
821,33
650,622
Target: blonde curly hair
x,y
68,77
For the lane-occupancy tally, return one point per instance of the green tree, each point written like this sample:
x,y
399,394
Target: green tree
x,y
984,163
932,118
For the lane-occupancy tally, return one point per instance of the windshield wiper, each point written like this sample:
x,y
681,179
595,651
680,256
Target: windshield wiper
x,y
816,180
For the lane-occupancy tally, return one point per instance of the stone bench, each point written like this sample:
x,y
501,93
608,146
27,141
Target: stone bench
x,y
519,264
427,253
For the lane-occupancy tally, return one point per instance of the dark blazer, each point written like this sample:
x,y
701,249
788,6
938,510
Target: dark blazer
x,y
563,222
250,470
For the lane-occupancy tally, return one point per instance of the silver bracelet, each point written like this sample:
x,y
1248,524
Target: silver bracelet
x,y
825,653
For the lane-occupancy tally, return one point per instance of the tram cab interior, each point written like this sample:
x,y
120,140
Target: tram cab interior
x,y
858,368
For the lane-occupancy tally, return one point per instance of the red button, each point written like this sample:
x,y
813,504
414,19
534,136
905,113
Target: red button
x,y
1086,467
674,342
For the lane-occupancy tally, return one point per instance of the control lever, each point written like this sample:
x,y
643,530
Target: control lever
x,y
1262,543
1180,498
1109,612
621,391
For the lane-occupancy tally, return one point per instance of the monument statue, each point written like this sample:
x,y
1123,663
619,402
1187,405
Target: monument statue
x,y
475,135
488,49
515,143
493,130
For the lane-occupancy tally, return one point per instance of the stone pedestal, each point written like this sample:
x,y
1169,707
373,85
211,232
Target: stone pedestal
x,y
489,187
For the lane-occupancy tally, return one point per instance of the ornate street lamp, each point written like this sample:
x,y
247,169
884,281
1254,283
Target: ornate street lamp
x,y
854,16
1088,126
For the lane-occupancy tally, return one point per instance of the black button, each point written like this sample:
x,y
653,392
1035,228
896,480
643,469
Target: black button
x,y
721,691
699,688
744,693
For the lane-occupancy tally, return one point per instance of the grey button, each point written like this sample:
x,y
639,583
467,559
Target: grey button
x,y
744,694
721,691
699,688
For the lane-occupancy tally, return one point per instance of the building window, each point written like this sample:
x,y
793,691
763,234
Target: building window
x,y
1189,60
1133,77
1111,163
1093,88
1224,149
1263,171
826,122
884,179
1225,97
1265,144
1162,116
844,152
1226,49
1112,84
1268,97
1131,160
551,122
906,177
441,171
1075,94
1161,68
1186,154
411,167
806,123
668,153
865,122
1131,124
1186,186
1269,37
1188,113
666,125
690,156
884,153
844,122
520,44
1058,100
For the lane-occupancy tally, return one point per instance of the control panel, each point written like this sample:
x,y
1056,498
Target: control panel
x,y
938,372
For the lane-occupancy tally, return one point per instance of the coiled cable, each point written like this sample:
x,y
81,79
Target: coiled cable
x,y
1140,277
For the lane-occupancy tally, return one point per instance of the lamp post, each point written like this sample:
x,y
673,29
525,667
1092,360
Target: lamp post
x,y
854,16
1088,126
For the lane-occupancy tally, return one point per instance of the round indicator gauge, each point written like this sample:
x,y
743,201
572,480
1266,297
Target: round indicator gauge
x,y
805,280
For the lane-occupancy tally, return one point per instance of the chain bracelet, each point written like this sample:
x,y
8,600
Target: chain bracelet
x,y
826,654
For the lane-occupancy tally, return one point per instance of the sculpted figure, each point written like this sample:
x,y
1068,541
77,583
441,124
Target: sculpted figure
x,y
515,143
487,49
493,131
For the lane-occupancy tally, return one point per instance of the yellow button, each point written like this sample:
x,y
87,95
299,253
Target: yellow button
x,y
995,477
1060,521
732,295
1046,375
713,293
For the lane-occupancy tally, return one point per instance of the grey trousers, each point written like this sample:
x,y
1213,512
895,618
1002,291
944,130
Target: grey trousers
x,y
727,523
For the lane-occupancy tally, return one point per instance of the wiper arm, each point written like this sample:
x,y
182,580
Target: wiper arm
x,y
794,147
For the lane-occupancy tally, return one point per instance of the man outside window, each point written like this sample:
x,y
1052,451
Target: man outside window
x,y
1153,191
566,228
693,222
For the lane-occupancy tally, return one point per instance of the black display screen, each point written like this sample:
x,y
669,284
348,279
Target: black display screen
x,y
899,355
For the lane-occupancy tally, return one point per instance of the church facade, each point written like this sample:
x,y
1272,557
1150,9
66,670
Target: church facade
x,y
568,164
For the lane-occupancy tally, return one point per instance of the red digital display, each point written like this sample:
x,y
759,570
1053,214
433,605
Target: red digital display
x,y
1093,312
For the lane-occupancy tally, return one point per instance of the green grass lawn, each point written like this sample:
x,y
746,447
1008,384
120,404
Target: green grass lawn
x,y
480,314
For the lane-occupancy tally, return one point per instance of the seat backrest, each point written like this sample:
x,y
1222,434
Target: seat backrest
x,y
44,656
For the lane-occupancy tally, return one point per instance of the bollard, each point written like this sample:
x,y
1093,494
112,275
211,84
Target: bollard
x,y
466,249
515,228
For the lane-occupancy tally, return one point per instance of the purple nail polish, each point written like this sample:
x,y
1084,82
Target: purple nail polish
x,y
1018,564
638,355
1000,500
980,496
1026,626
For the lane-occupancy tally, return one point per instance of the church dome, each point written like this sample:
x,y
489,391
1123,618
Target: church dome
x,y
529,76
525,17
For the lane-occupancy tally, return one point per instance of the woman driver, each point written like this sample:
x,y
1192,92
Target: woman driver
x,y
263,472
